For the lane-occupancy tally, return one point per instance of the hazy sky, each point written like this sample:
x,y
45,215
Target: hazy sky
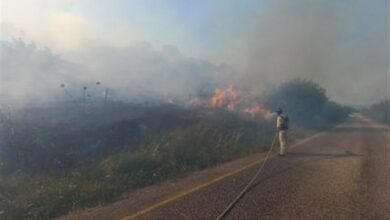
x,y
342,44
198,28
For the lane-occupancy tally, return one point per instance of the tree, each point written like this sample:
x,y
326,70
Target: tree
x,y
306,103
379,111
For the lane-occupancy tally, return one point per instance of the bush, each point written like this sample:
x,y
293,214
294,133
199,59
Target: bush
x,y
306,104
379,112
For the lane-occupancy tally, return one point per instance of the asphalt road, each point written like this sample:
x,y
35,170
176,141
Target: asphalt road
x,y
343,174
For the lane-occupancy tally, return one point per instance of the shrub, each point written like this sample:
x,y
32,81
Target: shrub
x,y
379,112
306,104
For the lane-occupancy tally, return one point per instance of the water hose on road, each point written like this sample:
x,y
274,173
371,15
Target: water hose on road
x,y
242,193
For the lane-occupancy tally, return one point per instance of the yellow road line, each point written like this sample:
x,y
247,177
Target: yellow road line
x,y
194,189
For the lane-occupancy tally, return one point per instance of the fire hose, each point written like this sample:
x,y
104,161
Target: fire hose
x,y
247,187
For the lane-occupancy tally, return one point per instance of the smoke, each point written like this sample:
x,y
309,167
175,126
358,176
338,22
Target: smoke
x,y
31,75
141,70
34,75
342,45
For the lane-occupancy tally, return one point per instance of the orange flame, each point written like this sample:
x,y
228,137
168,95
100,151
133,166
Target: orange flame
x,y
224,98
231,99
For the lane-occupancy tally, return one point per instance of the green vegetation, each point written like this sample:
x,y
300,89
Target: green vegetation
x,y
379,112
60,158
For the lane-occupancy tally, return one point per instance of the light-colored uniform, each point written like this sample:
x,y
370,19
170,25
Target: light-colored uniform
x,y
282,134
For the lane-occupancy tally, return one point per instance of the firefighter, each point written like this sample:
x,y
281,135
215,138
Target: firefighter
x,y
282,128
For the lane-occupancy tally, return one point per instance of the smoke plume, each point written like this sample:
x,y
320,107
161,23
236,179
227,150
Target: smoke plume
x,y
342,45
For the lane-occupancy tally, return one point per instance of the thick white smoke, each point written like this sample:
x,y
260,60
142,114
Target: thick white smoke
x,y
32,75
342,45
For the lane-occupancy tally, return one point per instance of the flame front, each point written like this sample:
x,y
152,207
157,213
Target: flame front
x,y
224,98
232,100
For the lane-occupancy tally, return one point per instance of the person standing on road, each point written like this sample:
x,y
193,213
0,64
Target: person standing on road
x,y
282,128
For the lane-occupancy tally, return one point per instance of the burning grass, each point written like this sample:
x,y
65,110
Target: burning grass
x,y
231,99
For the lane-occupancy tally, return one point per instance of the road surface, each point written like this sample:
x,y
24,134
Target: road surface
x,y
343,173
